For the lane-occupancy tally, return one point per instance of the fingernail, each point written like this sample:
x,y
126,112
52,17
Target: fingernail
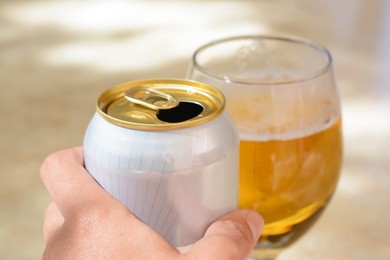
x,y
255,223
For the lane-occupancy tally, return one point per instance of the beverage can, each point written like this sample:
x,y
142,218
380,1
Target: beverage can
x,y
168,150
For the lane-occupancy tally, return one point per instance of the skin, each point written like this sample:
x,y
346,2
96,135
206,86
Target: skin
x,y
85,222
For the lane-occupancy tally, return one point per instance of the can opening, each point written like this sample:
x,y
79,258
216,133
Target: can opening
x,y
182,112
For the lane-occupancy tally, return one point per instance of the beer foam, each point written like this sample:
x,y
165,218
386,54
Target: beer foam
x,y
289,127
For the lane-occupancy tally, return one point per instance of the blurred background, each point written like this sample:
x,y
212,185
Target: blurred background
x,y
56,57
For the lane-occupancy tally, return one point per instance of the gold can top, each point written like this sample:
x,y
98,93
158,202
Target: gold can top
x,y
160,104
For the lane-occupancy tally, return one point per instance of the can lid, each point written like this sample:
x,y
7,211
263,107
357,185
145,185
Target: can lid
x,y
160,104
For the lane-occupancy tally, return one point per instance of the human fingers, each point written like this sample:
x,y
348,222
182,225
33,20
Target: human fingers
x,y
53,220
232,236
72,188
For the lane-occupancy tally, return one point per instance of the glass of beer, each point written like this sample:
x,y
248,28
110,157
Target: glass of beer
x,y
282,95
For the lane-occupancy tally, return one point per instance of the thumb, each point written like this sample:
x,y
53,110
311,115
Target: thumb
x,y
232,236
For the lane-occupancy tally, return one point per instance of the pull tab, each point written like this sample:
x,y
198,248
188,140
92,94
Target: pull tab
x,y
150,98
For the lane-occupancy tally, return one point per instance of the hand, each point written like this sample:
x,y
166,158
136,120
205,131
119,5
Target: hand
x,y
85,222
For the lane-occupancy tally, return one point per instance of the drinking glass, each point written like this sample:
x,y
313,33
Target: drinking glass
x,y
282,95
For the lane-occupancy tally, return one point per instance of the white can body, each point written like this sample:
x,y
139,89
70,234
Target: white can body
x,y
178,181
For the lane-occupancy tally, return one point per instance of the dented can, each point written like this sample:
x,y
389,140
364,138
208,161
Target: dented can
x,y
167,149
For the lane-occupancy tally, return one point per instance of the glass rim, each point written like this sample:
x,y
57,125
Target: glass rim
x,y
289,38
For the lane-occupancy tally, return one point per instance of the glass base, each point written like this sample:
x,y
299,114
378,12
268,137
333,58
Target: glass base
x,y
269,247
264,254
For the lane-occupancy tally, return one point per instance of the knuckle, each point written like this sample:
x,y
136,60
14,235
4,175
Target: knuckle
x,y
90,218
51,163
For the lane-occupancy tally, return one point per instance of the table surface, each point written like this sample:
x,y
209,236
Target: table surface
x,y
57,56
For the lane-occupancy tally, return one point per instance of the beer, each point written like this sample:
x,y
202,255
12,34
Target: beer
x,y
167,150
287,181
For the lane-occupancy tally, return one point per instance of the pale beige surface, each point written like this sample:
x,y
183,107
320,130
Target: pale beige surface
x,y
57,56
